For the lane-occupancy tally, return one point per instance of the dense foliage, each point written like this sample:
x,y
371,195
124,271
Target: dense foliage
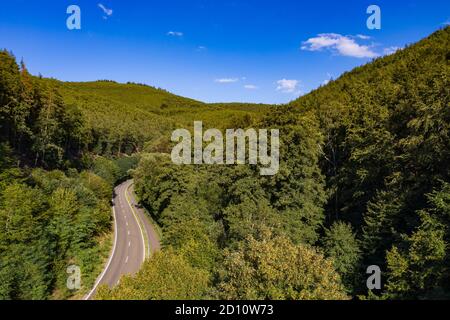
x,y
250,234
386,159
63,146
129,118
364,180
48,221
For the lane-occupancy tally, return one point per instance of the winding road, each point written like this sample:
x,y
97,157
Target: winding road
x,y
135,238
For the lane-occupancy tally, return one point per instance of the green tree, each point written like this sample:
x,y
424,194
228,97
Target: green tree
x,y
278,269
341,245
166,276
297,192
418,267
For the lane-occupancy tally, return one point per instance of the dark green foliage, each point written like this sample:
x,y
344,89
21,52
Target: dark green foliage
x,y
362,163
45,225
341,245
364,178
107,169
297,191
419,265
386,128
206,210
34,119
50,219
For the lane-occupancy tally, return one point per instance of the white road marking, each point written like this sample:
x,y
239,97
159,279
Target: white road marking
x,y
99,279
119,203
127,223
138,222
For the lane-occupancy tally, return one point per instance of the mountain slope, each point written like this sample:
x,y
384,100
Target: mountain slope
x,y
364,180
127,116
386,159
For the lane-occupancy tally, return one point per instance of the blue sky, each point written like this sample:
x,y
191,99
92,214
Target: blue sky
x,y
213,51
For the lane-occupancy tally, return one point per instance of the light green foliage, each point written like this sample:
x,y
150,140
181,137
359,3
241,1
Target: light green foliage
x,y
122,118
166,276
276,269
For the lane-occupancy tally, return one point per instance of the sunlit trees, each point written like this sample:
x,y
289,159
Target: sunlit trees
x,y
363,180
275,268
166,276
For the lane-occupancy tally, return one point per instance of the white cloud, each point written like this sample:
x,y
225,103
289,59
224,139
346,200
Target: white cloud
x,y
227,80
201,48
343,45
105,10
287,86
175,33
250,87
390,50
363,37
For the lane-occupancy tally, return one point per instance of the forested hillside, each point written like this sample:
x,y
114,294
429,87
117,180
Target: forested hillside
x,y
51,214
364,179
63,146
386,160
129,118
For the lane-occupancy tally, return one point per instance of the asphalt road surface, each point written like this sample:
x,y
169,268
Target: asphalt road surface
x,y
135,238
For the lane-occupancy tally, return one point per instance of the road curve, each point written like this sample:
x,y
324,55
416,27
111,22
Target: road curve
x,y
135,238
